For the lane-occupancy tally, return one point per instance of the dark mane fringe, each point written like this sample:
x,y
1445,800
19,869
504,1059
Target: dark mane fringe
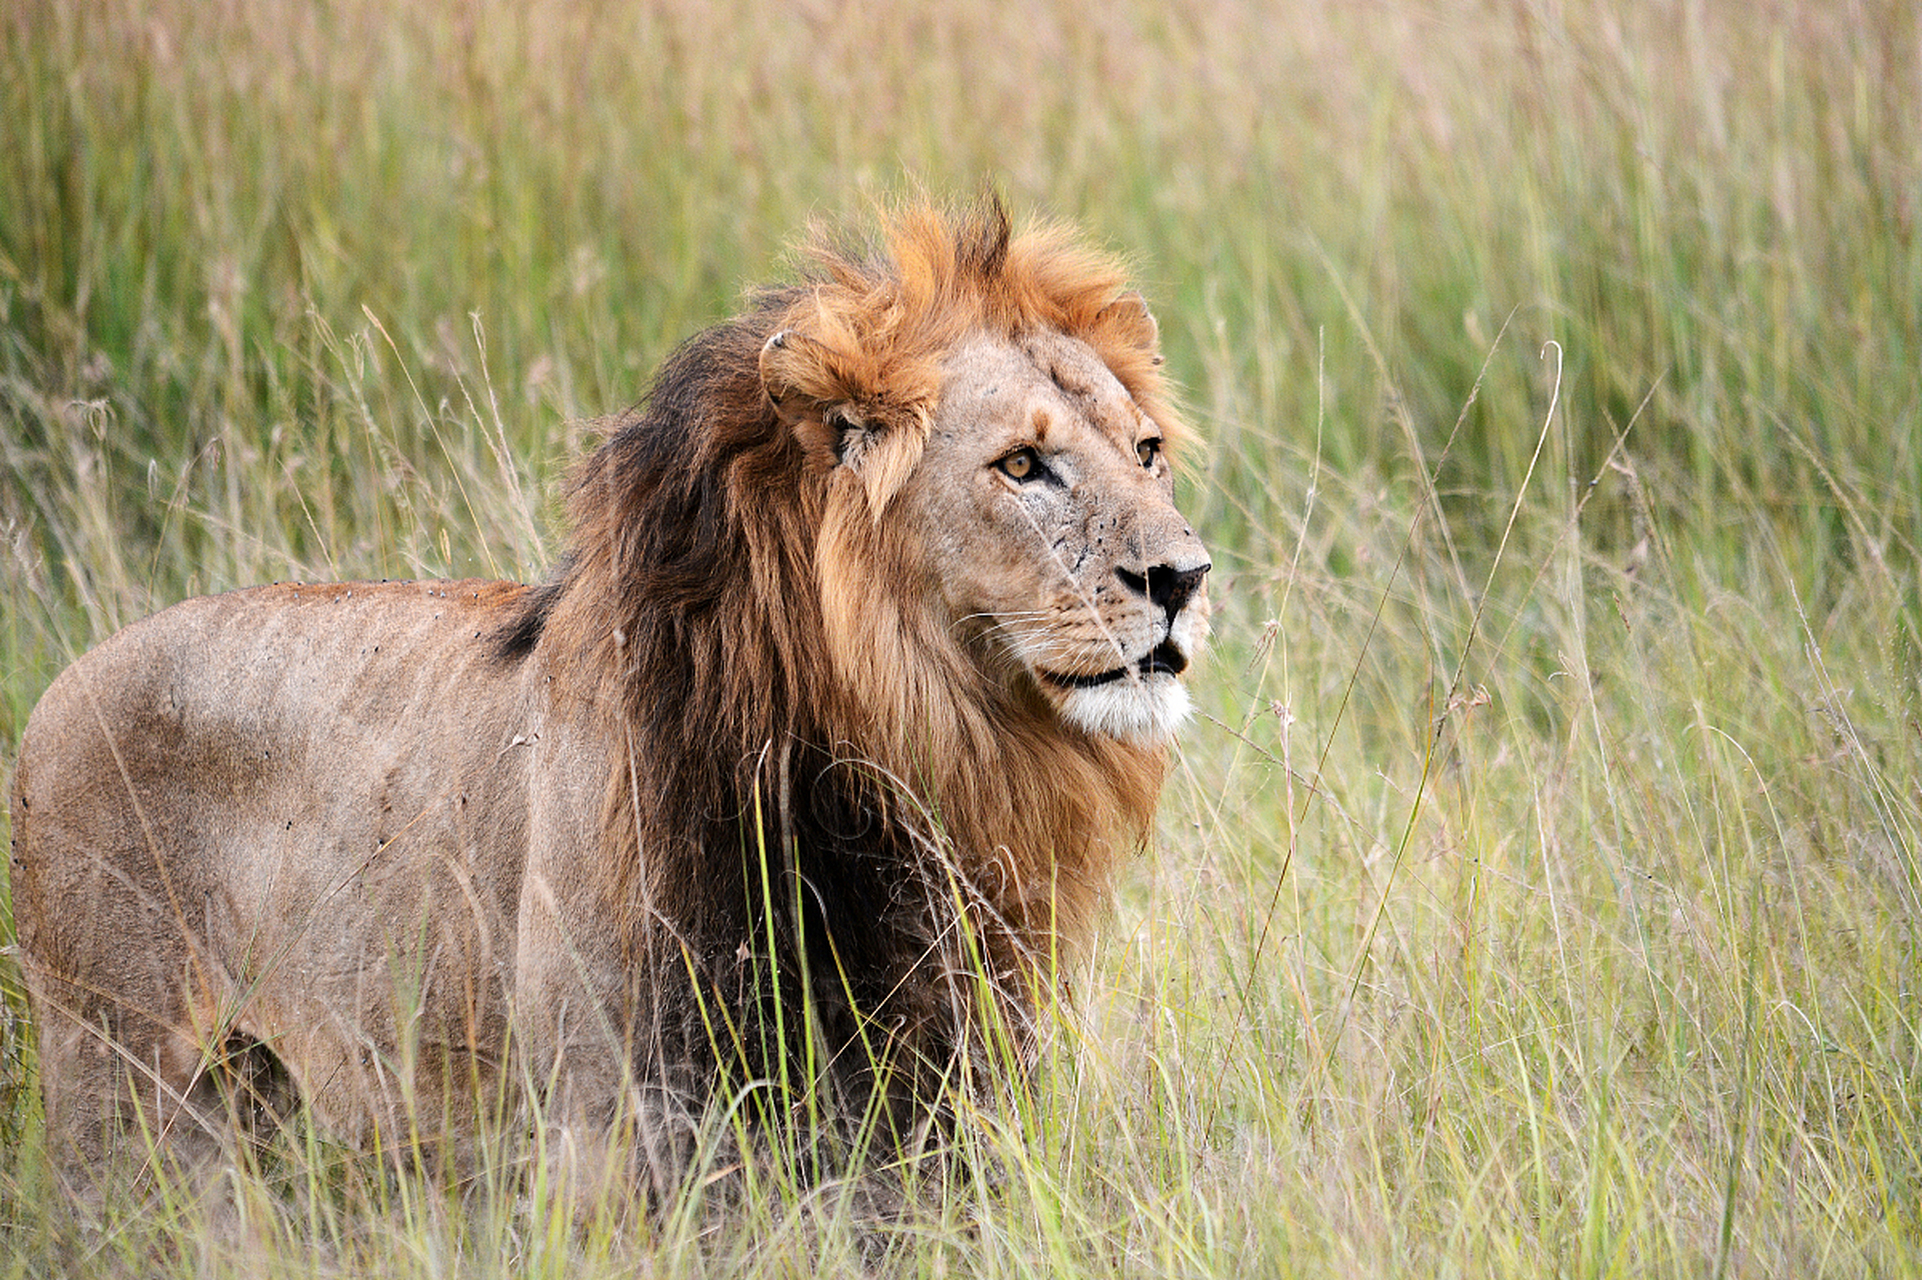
x,y
689,617
522,632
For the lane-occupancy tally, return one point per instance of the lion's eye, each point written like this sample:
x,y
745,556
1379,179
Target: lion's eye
x,y
1022,464
1148,451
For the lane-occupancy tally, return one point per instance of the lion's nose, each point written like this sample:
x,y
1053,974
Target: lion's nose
x,y
1166,586
1172,588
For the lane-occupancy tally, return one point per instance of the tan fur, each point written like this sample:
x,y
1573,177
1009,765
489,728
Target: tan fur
x,y
822,699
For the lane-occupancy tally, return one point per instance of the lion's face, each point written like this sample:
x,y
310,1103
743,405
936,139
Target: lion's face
x,y
1046,509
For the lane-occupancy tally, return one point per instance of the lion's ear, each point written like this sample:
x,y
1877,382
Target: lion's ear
x,y
1130,322
817,395
795,371
813,390
827,403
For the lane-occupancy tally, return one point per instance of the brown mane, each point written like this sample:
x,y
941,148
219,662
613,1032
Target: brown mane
x,y
738,608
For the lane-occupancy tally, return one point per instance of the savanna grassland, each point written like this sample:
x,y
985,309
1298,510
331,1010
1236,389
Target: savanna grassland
x,y
1537,890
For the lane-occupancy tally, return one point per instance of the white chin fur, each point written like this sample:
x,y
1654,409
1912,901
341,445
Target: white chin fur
x,y
1143,711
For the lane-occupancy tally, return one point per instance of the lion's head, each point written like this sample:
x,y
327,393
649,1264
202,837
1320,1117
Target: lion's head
x,y
1004,476
1043,501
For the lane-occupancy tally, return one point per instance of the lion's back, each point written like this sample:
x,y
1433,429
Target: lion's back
x,y
281,770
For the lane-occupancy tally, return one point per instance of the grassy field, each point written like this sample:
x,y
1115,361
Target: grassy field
x,y
1537,893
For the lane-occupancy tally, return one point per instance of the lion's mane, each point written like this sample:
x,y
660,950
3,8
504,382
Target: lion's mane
x,y
820,789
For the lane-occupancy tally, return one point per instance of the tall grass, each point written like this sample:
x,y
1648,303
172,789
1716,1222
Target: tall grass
x,y
1538,890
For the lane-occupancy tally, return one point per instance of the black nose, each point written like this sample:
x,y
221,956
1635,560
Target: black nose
x,y
1165,585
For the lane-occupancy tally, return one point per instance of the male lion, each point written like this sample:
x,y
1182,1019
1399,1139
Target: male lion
x,y
792,781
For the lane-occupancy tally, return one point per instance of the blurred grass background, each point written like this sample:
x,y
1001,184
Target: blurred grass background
x,y
1537,893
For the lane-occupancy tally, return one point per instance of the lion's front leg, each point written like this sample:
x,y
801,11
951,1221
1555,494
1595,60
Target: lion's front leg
x,y
615,1119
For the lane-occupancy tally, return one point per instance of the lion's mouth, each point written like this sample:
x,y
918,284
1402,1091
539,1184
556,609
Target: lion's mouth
x,y
1163,658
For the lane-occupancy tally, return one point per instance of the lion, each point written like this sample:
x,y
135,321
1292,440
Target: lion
x,y
797,777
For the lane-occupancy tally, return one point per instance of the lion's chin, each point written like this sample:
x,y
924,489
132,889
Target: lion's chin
x,y
1145,710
